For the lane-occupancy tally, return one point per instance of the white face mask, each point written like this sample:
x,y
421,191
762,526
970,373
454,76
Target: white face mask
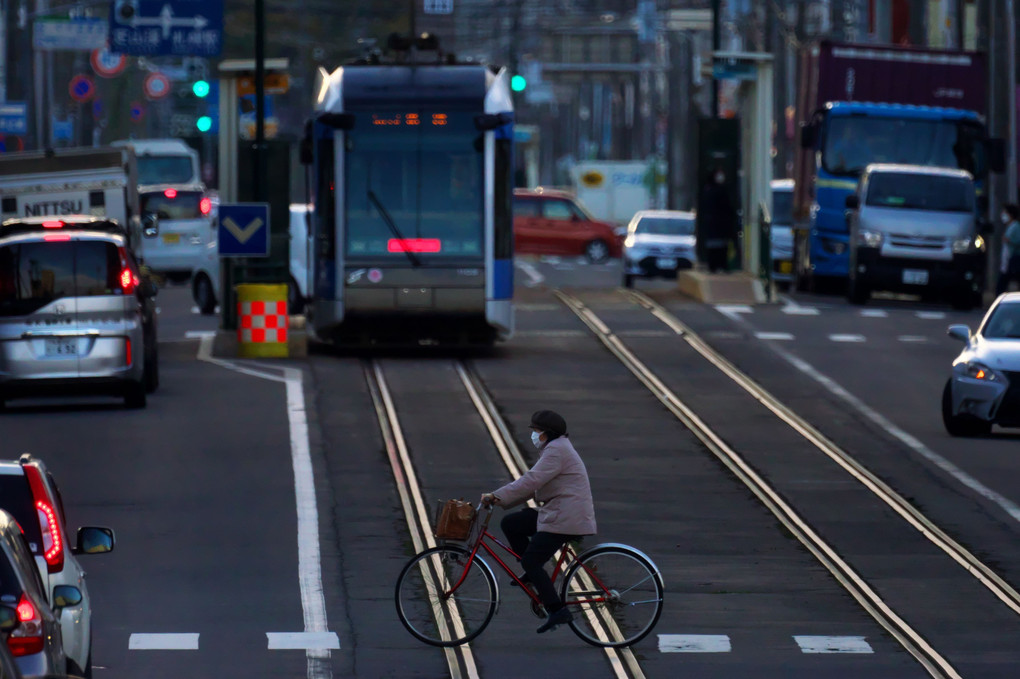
x,y
536,438
1005,218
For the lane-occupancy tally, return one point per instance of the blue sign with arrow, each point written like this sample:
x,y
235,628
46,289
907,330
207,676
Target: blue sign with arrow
x,y
152,27
244,230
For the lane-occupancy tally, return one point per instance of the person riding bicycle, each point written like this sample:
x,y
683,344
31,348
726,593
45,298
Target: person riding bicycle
x,y
559,483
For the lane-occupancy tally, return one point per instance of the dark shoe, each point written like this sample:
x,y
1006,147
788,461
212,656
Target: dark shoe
x,y
560,617
523,578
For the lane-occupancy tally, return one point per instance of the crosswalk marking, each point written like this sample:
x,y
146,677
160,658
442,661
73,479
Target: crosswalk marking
x,y
811,644
776,336
846,338
163,642
302,641
694,643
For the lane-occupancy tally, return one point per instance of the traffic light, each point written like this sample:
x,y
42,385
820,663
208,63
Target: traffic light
x,y
518,83
200,88
203,123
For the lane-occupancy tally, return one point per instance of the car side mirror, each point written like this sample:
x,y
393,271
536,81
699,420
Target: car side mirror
x,y
8,619
150,225
959,331
94,540
65,596
852,202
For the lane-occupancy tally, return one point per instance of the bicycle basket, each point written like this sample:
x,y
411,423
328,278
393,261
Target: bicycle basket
x,y
454,520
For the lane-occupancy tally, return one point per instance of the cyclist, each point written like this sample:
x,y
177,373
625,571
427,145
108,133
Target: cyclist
x,y
559,483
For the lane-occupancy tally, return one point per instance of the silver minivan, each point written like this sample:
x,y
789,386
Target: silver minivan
x,y
76,314
913,230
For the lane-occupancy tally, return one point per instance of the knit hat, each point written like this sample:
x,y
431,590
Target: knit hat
x,y
550,422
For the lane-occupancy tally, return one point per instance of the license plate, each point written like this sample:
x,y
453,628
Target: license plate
x,y
61,346
786,267
915,277
665,263
170,238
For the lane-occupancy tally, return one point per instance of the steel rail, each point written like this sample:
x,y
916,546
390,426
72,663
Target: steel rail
x,y
855,585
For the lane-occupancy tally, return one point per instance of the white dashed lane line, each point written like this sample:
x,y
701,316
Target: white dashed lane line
x,y
874,313
720,643
163,642
774,336
833,644
931,315
302,641
915,339
847,338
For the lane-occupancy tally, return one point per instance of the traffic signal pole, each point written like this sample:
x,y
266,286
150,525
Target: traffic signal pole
x,y
260,103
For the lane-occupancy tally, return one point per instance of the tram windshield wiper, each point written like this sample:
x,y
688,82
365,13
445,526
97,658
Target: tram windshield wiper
x,y
415,262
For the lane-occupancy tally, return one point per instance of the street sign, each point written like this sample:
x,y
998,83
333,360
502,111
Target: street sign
x,y
439,6
107,64
13,117
62,33
156,86
732,69
81,88
244,230
151,27
272,83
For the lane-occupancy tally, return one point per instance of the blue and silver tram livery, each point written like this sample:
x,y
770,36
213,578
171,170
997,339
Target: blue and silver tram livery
x,y
411,184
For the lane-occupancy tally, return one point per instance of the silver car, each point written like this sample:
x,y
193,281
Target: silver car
x,y
781,235
658,244
985,386
76,313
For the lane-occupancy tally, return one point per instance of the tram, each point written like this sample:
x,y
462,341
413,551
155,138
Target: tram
x,y
411,230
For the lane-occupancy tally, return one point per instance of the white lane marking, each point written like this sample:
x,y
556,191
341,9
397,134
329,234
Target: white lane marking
x,y
302,641
846,338
909,440
800,310
694,643
917,339
733,311
313,601
195,310
646,333
874,313
537,307
199,334
163,642
550,333
774,336
534,277
931,315
809,644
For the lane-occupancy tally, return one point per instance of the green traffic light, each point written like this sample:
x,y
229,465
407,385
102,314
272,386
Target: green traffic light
x,y
204,124
518,83
200,88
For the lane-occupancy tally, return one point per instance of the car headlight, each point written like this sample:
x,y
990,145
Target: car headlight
x,y
629,242
870,239
969,244
979,371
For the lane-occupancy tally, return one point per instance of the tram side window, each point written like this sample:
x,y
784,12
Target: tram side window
x,y
325,200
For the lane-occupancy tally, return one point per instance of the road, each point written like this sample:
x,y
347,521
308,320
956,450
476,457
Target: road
x,y
258,514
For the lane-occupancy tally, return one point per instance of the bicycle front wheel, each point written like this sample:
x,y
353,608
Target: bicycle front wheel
x,y
618,592
442,600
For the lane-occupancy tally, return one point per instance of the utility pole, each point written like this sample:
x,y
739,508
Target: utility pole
x,y
260,100
1011,174
715,48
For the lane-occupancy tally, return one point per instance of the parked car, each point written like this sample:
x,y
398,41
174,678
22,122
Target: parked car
x,y
36,641
781,239
187,231
984,388
913,229
658,244
30,494
550,222
76,313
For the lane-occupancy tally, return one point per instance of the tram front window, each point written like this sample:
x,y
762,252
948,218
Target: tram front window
x,y
421,170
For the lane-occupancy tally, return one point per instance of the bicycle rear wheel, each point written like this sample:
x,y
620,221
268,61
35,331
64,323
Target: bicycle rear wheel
x,y
429,606
618,592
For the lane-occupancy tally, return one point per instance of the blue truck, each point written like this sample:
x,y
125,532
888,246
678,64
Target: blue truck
x,y
862,104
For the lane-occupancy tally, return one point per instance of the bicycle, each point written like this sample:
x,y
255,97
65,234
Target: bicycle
x,y
448,594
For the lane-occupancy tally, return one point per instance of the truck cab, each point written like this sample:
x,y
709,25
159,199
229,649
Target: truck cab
x,y
913,229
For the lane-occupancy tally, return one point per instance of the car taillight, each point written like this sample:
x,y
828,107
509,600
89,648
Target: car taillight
x,y
53,224
49,524
27,638
128,281
205,206
127,351
170,193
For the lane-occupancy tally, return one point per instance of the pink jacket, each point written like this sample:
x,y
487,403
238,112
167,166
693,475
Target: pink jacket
x,y
560,481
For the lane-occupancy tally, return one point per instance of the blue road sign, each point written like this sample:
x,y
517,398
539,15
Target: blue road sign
x,y
151,27
244,230
13,117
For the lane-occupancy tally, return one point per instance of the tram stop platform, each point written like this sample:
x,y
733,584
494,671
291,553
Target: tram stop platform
x,y
737,287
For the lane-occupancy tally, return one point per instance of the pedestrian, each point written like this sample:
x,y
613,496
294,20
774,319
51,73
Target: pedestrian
x,y
717,218
559,483
1010,265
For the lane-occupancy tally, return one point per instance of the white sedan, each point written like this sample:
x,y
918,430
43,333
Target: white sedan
x,y
985,385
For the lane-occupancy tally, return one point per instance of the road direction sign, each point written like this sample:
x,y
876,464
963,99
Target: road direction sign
x,y
61,33
107,64
151,27
156,86
244,230
13,117
81,88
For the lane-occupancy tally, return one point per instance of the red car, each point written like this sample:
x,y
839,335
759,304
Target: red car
x,y
548,222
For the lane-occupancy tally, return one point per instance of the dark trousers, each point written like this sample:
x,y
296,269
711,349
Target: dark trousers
x,y
535,548
1012,273
717,258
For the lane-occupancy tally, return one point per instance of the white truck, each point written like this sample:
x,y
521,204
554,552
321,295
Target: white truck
x,y
615,190
164,161
99,181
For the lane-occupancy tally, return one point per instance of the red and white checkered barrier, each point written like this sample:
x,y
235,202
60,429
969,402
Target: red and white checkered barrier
x,y
262,322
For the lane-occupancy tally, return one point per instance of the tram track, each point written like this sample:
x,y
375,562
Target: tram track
x,y
461,660
874,604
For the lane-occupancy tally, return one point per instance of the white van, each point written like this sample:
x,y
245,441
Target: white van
x,y
164,161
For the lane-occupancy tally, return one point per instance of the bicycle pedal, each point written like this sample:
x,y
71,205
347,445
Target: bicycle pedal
x,y
538,609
